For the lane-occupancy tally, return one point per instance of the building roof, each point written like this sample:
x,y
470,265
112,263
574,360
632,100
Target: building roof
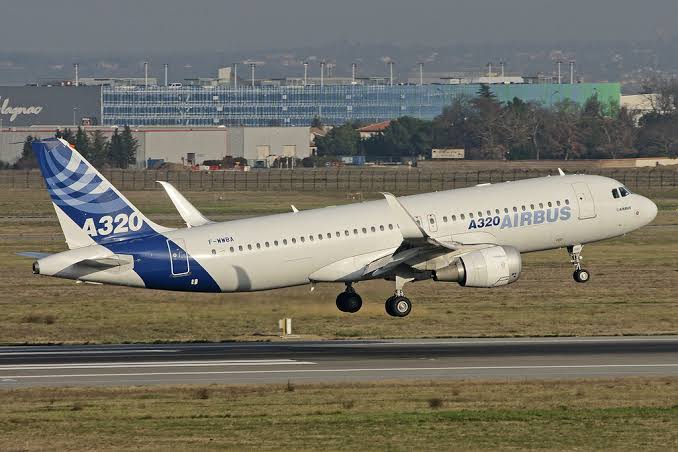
x,y
373,128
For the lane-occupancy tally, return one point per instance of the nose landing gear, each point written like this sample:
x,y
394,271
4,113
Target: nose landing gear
x,y
580,275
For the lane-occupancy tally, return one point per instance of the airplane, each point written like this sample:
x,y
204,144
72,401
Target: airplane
x,y
472,236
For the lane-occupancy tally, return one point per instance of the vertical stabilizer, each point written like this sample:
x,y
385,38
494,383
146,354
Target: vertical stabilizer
x,y
90,210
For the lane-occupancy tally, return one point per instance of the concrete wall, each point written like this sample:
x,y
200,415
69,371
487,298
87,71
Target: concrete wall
x,y
173,145
276,138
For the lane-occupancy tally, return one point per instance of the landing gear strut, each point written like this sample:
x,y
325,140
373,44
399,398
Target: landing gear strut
x,y
398,305
349,300
580,275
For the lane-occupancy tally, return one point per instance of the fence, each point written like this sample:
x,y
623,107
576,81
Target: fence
x,y
337,179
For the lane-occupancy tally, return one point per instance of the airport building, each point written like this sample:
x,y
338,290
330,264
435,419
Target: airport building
x,y
185,145
291,105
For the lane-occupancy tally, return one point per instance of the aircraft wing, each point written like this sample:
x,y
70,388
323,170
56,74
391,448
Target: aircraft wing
x,y
418,246
33,255
188,212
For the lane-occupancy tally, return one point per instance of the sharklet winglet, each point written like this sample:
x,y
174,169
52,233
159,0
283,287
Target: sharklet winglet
x,y
188,212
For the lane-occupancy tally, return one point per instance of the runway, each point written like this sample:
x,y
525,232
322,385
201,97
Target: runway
x,y
336,361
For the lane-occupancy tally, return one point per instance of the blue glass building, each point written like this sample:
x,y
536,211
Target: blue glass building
x,y
298,105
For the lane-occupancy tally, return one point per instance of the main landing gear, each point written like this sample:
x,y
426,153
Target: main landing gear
x,y
349,300
580,275
399,305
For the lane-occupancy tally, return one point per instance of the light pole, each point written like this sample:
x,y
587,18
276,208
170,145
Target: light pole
x,y
75,109
145,74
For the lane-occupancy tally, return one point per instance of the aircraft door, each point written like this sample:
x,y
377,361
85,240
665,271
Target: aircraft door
x,y
178,257
587,208
432,223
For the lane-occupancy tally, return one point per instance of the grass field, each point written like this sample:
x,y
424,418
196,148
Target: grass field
x,y
618,414
633,290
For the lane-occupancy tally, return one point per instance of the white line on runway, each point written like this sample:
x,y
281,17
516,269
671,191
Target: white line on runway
x,y
562,340
392,369
241,362
88,352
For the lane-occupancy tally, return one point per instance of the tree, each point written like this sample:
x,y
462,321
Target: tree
x,y
130,146
66,134
341,140
27,159
317,123
82,143
116,155
98,149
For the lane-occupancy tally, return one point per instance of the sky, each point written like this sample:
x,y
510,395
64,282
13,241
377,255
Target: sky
x,y
125,26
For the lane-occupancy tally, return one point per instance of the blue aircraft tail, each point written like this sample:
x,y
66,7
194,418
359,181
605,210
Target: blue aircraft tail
x,y
89,208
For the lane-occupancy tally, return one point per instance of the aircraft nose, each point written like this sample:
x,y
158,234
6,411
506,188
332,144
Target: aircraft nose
x,y
649,210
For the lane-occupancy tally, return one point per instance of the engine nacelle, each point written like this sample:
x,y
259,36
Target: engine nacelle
x,y
488,267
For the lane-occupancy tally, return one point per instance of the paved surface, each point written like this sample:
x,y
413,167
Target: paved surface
x,y
279,362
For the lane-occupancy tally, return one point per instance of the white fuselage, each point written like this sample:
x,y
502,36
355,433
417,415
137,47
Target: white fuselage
x,y
332,243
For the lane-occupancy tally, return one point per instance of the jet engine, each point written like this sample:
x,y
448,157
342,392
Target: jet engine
x,y
488,267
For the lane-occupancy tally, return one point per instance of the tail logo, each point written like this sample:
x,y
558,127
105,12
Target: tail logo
x,y
119,224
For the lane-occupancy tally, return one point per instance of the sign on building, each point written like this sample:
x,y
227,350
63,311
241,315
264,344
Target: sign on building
x,y
447,153
25,106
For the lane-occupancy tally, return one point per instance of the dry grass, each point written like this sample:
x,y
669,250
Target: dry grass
x,y
615,414
632,291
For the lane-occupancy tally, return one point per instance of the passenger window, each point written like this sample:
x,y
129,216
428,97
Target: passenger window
x,y
550,204
390,226
496,211
310,237
268,245
463,216
615,193
515,209
346,232
454,218
214,252
294,240
489,213
329,235
240,247
558,203
506,210
480,214
522,208
320,236
275,243
258,246
381,227
232,250
284,241
470,215
302,238
373,229
249,247
567,202
355,232
444,219
531,206
541,205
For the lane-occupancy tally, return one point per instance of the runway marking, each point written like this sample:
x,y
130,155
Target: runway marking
x,y
391,369
122,365
88,352
501,341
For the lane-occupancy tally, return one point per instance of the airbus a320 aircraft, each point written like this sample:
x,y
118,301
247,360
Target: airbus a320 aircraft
x,y
472,236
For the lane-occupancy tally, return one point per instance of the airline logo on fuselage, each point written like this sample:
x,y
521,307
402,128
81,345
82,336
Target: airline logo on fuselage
x,y
520,219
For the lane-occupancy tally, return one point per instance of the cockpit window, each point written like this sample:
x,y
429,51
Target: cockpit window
x,y
615,193
623,192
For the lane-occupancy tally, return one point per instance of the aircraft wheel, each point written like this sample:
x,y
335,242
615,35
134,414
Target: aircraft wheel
x,y
349,302
581,276
398,306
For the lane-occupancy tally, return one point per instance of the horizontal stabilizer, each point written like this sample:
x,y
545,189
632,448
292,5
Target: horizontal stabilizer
x,y
188,212
33,255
